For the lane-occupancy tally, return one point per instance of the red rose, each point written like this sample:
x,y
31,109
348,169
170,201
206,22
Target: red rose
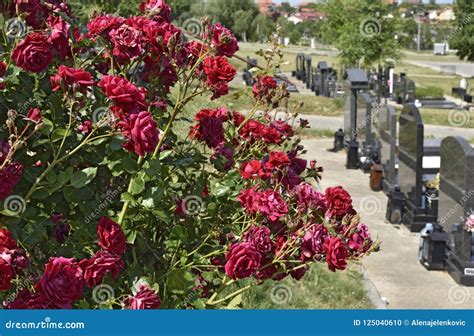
x,y
157,7
307,198
194,50
277,160
210,130
283,128
9,177
6,275
127,42
243,260
251,169
86,127
6,240
62,281
3,68
339,202
34,115
360,240
264,88
219,73
260,238
33,54
223,41
59,37
102,25
36,12
271,205
123,93
141,133
111,236
27,300
313,242
248,199
70,77
99,265
336,253
146,298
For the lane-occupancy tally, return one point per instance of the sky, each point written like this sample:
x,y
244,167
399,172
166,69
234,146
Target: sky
x,y
295,2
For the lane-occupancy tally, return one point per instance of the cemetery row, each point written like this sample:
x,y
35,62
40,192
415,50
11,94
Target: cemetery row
x,y
429,182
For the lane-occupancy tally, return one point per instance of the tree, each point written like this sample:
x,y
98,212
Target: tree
x,y
364,31
263,27
242,22
285,7
228,13
462,36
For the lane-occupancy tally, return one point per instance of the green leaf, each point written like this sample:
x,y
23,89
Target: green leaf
x,y
180,281
137,185
236,301
82,178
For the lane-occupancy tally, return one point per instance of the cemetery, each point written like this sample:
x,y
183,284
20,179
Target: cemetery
x,y
428,182
179,170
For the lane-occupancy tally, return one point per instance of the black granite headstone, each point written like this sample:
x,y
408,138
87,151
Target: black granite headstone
x,y
456,204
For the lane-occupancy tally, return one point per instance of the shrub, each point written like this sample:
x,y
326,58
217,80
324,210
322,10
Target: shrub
x,y
105,205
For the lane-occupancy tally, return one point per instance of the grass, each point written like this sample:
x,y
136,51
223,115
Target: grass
x,y
319,289
442,117
289,57
313,133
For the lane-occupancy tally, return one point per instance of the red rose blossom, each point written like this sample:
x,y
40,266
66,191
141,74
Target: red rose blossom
x,y
34,115
264,88
59,37
141,133
260,238
223,41
312,246
33,54
6,240
6,275
146,298
27,300
126,41
123,93
219,73
307,198
9,177
102,25
3,68
339,202
101,264
62,281
111,236
336,253
243,260
70,77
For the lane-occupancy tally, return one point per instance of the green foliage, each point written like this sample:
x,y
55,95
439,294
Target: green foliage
x,y
462,36
348,27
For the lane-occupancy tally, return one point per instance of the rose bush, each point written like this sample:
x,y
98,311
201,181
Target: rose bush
x,y
99,188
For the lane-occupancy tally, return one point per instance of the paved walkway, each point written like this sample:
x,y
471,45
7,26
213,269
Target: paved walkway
x,y
395,271
459,68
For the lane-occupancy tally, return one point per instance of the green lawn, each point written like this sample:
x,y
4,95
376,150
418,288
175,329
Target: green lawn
x,y
319,289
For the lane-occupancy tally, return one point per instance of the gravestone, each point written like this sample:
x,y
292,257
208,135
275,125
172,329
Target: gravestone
x,y
369,150
456,204
299,66
419,164
386,125
410,91
308,68
403,88
356,80
396,88
323,70
315,81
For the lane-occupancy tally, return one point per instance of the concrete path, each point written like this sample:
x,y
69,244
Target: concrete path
x,y
334,123
395,271
461,69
